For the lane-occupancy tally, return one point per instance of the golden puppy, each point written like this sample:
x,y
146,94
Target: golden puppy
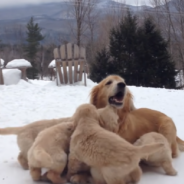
x,y
103,150
50,151
79,172
134,122
27,134
160,158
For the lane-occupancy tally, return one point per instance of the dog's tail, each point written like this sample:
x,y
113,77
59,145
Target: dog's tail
x,y
10,130
146,150
42,157
180,144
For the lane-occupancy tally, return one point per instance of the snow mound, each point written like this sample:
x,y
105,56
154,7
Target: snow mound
x,y
24,83
52,64
1,61
18,63
179,79
11,76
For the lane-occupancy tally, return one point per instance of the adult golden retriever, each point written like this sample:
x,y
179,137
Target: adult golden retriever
x,y
104,151
134,122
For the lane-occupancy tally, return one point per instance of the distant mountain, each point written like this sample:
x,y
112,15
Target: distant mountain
x,y
52,17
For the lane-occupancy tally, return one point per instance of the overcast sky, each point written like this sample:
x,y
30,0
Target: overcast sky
x,y
21,2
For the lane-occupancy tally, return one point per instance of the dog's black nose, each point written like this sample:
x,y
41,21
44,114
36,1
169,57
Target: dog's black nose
x,y
121,85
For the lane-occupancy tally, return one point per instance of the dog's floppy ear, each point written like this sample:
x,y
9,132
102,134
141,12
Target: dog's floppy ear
x,y
94,95
128,102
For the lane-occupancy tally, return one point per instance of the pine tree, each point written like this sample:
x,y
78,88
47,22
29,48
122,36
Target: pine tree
x,y
139,54
123,43
102,67
156,68
34,37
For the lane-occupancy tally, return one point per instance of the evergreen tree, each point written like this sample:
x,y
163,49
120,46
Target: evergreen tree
x,y
34,37
156,68
102,67
139,55
1,45
123,43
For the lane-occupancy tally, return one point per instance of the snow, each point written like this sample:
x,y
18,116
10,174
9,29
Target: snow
x,y
11,76
137,2
1,61
18,63
27,102
52,64
179,79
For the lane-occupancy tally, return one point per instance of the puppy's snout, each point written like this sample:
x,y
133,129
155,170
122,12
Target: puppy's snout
x,y
121,85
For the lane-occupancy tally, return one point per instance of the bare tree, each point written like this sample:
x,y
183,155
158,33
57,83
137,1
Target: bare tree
x,y
92,18
113,16
79,11
171,22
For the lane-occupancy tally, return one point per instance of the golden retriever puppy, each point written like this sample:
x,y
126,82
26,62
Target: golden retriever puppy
x,y
79,172
27,134
108,118
103,150
50,151
134,122
160,158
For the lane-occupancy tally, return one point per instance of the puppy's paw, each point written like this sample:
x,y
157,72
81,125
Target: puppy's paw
x,y
80,179
172,173
44,177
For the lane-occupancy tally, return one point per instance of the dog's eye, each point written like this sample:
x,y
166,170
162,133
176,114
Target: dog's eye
x,y
108,83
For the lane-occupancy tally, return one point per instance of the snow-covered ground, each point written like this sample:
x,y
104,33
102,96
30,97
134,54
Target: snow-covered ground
x,y
27,102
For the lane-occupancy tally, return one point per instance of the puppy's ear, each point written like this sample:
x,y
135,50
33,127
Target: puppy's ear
x,y
101,123
94,95
70,128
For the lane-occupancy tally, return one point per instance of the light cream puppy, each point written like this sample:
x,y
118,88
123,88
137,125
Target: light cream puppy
x,y
27,134
162,157
50,151
103,150
79,172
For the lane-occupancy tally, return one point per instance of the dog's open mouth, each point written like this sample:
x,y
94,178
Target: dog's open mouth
x,y
117,100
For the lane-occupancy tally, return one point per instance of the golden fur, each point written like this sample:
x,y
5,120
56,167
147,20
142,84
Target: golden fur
x,y
136,122
161,158
50,150
103,150
79,172
27,134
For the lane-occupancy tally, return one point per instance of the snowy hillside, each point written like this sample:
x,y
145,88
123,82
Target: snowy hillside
x,y
24,103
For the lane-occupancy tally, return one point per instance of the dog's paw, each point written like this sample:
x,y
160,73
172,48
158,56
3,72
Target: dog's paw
x,y
44,177
80,179
172,173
